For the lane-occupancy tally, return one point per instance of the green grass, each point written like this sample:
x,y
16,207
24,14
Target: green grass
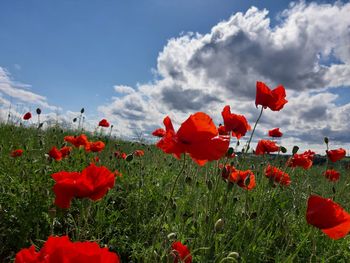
x,y
266,224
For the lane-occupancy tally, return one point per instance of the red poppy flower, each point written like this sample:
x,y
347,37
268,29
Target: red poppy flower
x,y
65,151
139,153
27,116
93,183
103,123
54,153
303,160
328,216
277,175
159,132
266,146
336,155
77,141
95,146
332,175
275,132
273,99
222,130
120,155
16,153
235,123
61,249
182,253
244,179
197,136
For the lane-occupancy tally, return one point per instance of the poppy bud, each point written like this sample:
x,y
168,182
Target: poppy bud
x,y
129,158
38,111
295,149
75,119
82,110
219,225
283,149
230,151
326,140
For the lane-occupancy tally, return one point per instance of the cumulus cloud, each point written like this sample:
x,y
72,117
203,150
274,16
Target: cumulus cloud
x,y
20,92
307,51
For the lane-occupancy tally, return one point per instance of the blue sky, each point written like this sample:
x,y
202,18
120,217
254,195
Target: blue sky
x,y
134,62
72,51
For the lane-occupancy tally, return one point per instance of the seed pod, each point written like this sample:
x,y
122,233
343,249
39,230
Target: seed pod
x,y
219,225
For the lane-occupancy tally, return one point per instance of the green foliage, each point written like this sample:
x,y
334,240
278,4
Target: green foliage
x,y
217,221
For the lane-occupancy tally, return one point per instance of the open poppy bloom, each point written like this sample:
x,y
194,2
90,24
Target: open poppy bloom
x,y
16,153
27,116
336,155
275,132
139,153
244,179
332,175
303,160
237,124
93,183
328,216
77,141
197,136
103,123
277,175
56,154
273,99
65,151
95,146
61,249
181,252
159,132
266,146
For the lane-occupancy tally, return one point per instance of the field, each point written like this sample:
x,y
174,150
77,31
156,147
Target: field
x,y
137,220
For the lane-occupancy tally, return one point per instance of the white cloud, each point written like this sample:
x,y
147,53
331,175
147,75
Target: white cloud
x,y
20,92
205,72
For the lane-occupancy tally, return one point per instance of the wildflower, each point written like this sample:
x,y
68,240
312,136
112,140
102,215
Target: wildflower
x,y
303,160
103,123
139,153
275,132
93,183
266,146
27,116
159,132
54,153
95,146
336,155
182,252
61,249
244,179
16,153
332,175
273,99
277,175
235,123
65,151
197,136
328,216
77,141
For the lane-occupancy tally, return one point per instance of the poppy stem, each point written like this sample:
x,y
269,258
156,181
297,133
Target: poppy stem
x,y
256,123
169,200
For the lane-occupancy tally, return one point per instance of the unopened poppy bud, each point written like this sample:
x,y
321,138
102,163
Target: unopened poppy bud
x,y
219,225
38,111
326,140
283,149
75,119
129,158
172,236
295,149
82,110
233,255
